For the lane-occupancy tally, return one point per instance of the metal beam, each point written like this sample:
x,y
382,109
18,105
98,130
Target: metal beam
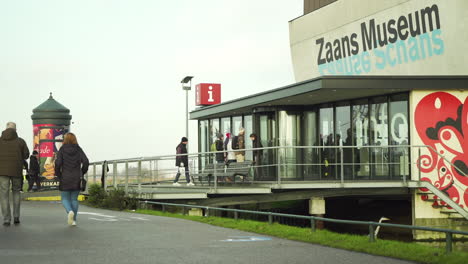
x,y
300,195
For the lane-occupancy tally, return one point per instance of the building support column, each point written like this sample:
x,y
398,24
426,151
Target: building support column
x,y
317,208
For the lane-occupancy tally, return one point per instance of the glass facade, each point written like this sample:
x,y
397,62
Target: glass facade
x,y
289,128
236,124
357,140
226,125
204,141
248,125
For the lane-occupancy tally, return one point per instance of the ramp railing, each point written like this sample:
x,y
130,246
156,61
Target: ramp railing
x,y
279,165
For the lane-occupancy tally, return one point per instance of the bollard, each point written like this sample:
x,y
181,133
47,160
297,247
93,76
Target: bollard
x,y
270,219
163,208
371,233
312,224
236,215
207,212
448,242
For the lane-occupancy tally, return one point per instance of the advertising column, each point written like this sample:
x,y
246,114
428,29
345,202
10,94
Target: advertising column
x,y
51,120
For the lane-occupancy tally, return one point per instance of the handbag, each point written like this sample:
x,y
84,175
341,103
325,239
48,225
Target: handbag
x,y
83,184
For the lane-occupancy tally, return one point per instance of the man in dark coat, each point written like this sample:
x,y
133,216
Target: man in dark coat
x,y
220,157
257,155
34,172
182,161
13,152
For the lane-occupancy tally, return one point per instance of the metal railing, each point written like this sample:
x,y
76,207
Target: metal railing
x,y
372,225
275,165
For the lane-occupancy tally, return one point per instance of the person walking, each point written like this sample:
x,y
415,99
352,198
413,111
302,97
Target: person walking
x,y
34,172
182,161
220,156
257,154
239,143
71,164
230,156
13,152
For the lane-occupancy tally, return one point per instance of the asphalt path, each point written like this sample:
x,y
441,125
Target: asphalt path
x,y
104,236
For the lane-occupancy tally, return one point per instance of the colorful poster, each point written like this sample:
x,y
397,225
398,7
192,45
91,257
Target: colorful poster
x,y
47,141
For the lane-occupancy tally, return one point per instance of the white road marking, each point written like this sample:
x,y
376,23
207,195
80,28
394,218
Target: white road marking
x,y
111,218
95,214
246,239
139,218
104,219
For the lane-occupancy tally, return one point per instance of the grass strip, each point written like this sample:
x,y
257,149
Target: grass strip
x,y
395,249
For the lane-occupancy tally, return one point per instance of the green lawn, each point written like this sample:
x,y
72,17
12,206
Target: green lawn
x,y
395,249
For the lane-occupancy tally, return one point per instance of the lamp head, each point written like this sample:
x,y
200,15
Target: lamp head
x,y
187,83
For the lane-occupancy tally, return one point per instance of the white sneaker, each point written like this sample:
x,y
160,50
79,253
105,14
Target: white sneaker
x,y
176,184
74,223
71,214
190,184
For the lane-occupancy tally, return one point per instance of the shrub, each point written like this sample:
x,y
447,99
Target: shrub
x,y
96,195
114,199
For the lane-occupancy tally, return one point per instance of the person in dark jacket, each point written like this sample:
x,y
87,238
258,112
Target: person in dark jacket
x,y
182,161
34,172
13,152
105,170
257,155
220,156
71,164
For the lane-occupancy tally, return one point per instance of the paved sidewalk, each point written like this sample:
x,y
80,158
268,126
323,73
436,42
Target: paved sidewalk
x,y
111,237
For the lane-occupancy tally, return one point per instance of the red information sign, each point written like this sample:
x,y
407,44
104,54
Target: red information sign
x,y
208,94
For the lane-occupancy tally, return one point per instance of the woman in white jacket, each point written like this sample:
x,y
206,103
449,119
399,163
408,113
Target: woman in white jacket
x,y
231,155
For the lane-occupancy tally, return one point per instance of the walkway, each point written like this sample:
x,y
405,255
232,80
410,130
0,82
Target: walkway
x,y
104,236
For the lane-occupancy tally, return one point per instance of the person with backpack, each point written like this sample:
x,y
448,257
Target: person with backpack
x,y
182,161
34,172
219,146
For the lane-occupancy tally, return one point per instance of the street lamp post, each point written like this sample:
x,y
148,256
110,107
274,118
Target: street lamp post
x,y
187,86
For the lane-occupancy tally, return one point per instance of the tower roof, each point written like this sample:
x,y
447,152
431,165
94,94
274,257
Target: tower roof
x,y
51,112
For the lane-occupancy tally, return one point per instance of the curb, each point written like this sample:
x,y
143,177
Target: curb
x,y
51,198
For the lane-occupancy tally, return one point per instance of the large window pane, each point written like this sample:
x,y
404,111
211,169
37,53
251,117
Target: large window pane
x,y
214,131
399,134
267,133
343,138
248,125
289,135
360,139
204,143
327,140
236,124
226,125
311,155
379,137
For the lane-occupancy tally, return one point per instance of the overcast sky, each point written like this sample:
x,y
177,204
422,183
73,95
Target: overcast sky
x,y
117,65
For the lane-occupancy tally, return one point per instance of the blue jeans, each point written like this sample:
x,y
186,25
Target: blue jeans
x,y
70,201
187,175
